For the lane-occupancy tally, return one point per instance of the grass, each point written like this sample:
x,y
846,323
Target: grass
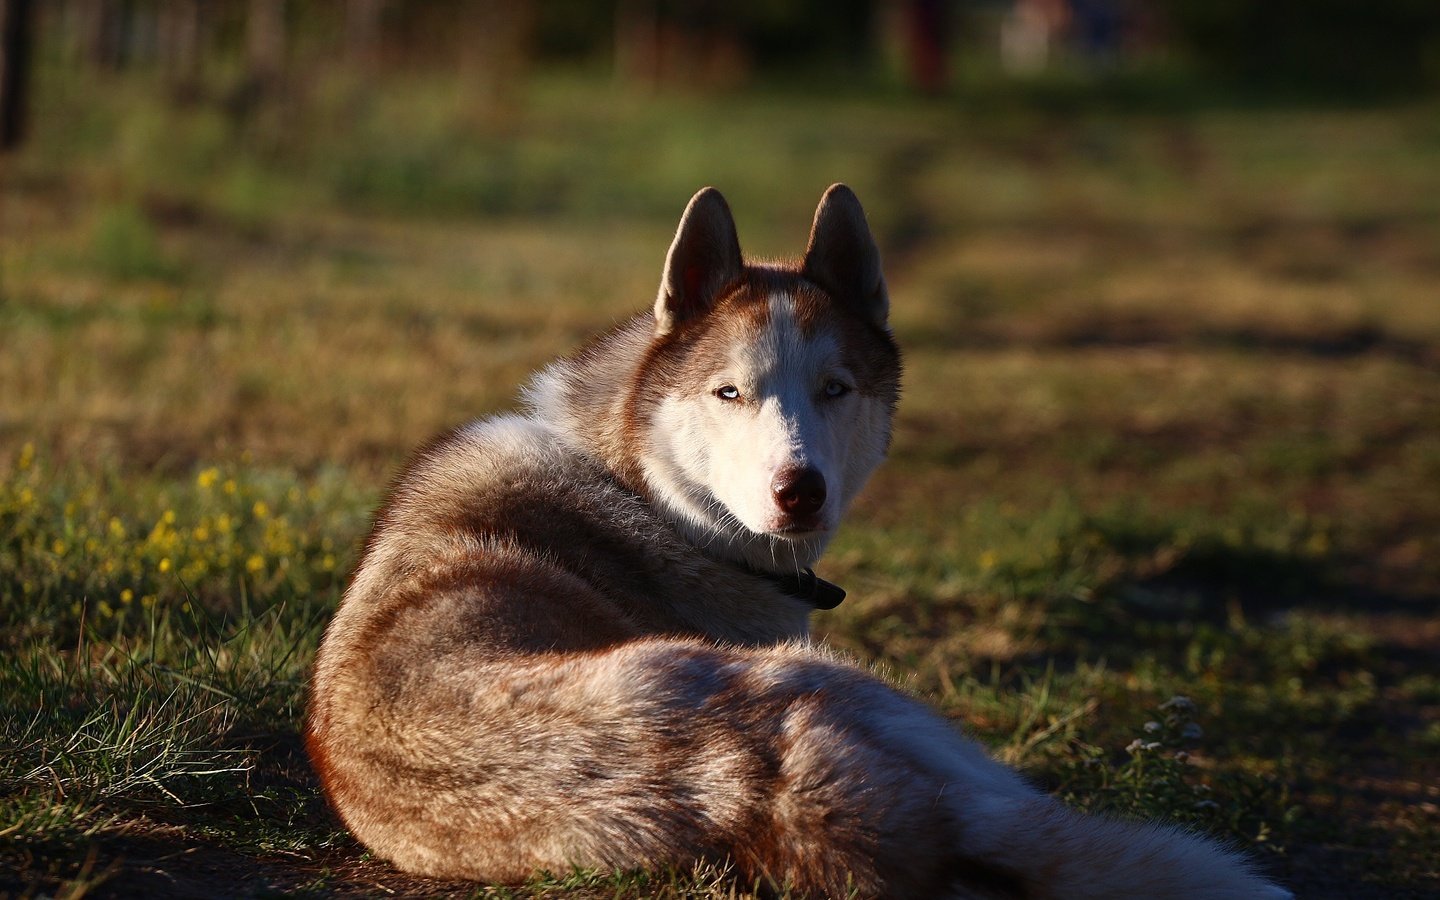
x,y
1171,429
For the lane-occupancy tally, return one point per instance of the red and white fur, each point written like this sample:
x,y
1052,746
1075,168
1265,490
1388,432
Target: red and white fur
x,y
565,644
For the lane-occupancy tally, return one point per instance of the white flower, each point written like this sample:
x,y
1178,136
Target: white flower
x,y
1179,703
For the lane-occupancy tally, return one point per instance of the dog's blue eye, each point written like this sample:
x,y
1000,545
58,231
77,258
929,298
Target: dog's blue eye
x,y
836,389
728,392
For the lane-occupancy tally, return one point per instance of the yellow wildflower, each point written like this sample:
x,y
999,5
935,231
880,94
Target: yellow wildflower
x,y
207,478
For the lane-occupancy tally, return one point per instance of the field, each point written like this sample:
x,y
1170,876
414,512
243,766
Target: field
x,y
1171,429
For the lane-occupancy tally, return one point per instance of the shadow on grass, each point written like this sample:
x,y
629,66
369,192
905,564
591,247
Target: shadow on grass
x,y
159,861
1162,604
1124,332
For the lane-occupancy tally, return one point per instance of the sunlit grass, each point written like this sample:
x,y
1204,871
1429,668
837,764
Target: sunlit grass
x,y
1169,429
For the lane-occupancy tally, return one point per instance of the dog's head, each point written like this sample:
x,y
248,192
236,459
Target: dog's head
x,y
768,391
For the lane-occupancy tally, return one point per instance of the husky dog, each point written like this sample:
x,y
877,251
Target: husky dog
x,y
578,636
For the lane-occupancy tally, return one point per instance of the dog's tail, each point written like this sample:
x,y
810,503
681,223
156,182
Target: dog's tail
x,y
1060,853
804,772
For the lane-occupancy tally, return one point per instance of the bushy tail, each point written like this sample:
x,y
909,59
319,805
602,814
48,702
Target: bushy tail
x,y
801,771
1071,856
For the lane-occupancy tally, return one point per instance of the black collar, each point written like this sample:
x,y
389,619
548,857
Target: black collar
x,y
807,586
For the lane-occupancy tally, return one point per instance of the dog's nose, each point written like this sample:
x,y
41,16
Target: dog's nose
x,y
800,492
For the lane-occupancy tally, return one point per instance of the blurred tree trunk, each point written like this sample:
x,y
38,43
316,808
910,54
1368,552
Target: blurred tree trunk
x,y
362,33
17,41
495,51
928,44
696,44
637,42
102,22
181,28
265,40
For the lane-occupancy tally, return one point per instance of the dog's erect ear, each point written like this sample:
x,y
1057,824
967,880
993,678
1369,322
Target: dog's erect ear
x,y
842,257
703,259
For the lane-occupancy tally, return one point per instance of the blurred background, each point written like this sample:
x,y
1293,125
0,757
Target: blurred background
x,y
1166,274
1096,170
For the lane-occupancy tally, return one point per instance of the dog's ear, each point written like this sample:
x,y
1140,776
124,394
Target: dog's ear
x,y
703,259
842,257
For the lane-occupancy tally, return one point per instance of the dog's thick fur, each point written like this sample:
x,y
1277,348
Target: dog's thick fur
x,y
566,643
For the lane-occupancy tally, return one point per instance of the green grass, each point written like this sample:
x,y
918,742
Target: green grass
x,y
1171,428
